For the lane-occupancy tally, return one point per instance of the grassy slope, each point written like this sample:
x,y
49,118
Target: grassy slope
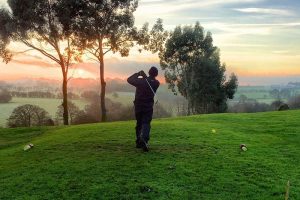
x,y
186,161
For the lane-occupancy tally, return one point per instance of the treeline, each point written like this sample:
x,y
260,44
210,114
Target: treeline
x,y
246,105
32,115
113,86
116,111
40,94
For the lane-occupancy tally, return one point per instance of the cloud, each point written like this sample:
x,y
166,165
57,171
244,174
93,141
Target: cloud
x,y
38,63
223,32
281,52
242,45
267,11
239,29
164,7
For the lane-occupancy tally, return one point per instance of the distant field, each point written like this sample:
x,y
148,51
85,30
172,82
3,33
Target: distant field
x,y
259,93
49,105
125,98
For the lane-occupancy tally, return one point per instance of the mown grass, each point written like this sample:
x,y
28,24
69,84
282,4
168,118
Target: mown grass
x,y
186,161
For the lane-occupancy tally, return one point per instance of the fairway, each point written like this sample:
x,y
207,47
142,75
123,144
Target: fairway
x,y
187,160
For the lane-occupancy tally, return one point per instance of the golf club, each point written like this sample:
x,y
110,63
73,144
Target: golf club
x,y
152,90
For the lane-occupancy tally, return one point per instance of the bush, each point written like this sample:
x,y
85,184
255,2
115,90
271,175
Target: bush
x,y
283,107
275,105
5,96
28,116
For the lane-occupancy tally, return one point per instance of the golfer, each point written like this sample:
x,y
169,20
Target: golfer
x,y
144,99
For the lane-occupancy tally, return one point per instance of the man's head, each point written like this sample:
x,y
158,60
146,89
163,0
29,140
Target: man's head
x,y
153,72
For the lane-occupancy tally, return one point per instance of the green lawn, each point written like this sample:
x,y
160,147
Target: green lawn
x,y
186,160
50,105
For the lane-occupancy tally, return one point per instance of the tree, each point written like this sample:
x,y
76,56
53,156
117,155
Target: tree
x,y
4,35
192,67
28,116
43,26
73,111
108,26
5,96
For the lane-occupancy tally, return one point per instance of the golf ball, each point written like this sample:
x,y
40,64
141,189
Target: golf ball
x,y
213,131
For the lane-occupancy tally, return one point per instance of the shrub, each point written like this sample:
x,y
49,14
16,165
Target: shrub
x,y
283,107
275,105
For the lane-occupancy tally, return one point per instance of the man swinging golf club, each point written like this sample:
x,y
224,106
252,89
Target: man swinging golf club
x,y
144,99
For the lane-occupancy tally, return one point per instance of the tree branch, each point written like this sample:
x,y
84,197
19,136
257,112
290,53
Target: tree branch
x,y
21,52
41,51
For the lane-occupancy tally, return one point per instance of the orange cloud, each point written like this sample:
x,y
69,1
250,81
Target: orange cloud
x,y
39,63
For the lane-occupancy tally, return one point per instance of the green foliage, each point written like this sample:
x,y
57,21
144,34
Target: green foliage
x,y
43,26
108,26
5,34
186,160
192,66
104,24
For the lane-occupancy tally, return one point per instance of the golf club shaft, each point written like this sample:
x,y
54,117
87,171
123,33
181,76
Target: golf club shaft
x,y
150,87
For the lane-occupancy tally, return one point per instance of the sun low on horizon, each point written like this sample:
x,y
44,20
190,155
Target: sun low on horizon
x,y
258,40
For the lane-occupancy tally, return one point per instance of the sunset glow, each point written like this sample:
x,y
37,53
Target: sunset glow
x,y
257,38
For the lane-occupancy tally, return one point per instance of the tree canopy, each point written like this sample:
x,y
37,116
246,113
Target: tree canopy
x,y
28,116
43,26
108,26
193,68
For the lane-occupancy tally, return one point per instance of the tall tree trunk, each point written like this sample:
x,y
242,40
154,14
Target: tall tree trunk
x,y
65,100
103,86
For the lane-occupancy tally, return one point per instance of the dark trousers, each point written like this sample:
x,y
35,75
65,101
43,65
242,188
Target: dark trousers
x,y
143,115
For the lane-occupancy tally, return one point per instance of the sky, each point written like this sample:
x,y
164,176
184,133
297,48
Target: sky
x,y
259,40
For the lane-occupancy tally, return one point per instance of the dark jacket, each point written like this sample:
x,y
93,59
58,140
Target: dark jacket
x,y
143,94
